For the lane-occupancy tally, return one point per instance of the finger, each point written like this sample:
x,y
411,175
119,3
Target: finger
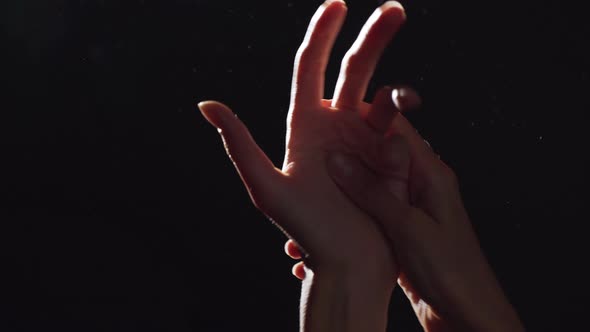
x,y
434,186
313,54
406,286
371,193
420,150
256,171
394,166
292,250
406,99
382,111
423,157
387,103
298,270
362,58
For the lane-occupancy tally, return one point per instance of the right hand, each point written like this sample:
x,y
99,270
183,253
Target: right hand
x,y
444,273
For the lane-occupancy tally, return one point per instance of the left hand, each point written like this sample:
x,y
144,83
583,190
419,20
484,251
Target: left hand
x,y
301,198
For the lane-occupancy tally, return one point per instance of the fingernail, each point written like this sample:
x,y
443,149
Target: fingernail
x,y
383,5
406,99
396,97
329,2
390,3
202,106
205,109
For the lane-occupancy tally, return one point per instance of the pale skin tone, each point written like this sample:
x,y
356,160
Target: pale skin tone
x,y
354,271
443,270
350,258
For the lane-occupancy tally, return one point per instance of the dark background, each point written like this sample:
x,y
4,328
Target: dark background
x,y
121,211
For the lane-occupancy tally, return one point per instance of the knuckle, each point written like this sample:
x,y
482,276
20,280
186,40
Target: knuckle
x,y
307,58
352,60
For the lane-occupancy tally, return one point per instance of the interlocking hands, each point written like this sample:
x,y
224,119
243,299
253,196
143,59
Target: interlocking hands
x,y
362,196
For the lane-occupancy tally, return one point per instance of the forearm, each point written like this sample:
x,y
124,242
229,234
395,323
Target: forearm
x,y
492,312
484,307
343,302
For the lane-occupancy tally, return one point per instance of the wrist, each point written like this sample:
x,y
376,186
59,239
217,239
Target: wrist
x,y
336,300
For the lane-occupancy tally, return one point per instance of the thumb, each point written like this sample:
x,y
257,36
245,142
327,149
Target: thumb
x,y
378,195
394,166
256,171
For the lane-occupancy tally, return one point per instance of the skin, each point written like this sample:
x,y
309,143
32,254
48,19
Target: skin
x,y
351,272
316,127
443,273
359,192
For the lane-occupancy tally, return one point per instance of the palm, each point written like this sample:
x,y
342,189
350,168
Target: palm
x,y
312,134
335,229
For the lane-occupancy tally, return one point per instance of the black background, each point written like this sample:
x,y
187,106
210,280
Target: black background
x,y
122,213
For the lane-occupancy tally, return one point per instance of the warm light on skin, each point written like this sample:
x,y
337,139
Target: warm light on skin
x,y
348,219
356,50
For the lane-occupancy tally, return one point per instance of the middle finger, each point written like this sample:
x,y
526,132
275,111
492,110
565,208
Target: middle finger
x,y
362,58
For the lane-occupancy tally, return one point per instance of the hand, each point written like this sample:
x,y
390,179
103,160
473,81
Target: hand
x,y
443,270
334,235
392,162
353,268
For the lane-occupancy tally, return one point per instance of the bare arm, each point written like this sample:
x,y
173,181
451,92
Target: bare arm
x,y
444,272
351,268
336,301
